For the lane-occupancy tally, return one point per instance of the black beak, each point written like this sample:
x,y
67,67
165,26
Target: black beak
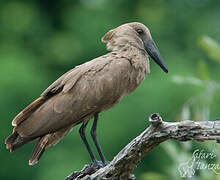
x,y
153,51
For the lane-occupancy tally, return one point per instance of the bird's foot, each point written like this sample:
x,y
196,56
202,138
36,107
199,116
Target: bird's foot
x,y
91,168
97,165
87,170
105,163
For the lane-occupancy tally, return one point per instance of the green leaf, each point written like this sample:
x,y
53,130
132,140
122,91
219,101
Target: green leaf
x,y
152,176
203,71
211,47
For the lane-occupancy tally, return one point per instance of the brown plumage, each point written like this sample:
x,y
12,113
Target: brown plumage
x,y
86,90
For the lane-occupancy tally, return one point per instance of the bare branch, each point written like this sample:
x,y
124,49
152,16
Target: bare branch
x,y
123,164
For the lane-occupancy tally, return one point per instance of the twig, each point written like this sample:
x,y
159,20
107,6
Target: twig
x,y
123,164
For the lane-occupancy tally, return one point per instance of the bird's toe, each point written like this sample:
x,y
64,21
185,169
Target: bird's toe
x,y
97,164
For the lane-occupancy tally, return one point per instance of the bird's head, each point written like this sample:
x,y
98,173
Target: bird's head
x,y
135,34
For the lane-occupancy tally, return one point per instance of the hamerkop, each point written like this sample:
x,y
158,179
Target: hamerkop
x,y
87,90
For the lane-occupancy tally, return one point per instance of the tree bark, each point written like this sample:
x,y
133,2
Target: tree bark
x,y
123,164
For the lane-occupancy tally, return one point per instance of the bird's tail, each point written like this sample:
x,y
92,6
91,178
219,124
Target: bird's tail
x,y
14,141
47,141
38,152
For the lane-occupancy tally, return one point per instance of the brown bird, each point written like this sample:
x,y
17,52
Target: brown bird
x,y
87,90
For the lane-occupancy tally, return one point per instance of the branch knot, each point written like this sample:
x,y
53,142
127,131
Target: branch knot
x,y
155,119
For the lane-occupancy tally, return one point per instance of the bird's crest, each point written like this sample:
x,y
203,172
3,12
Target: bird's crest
x,y
108,36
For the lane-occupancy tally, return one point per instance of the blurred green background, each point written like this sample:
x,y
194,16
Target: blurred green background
x,y
42,39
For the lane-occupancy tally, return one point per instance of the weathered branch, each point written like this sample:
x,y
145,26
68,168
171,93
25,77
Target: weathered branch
x,y
123,164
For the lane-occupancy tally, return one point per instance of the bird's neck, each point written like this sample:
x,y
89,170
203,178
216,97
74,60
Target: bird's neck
x,y
139,61
138,57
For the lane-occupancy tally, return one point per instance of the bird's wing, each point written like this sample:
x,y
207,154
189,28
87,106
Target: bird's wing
x,y
64,83
59,84
100,84
53,89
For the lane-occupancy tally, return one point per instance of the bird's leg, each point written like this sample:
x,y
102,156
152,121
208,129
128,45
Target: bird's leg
x,y
83,136
94,137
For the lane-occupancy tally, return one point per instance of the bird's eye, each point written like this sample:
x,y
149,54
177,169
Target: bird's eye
x,y
140,31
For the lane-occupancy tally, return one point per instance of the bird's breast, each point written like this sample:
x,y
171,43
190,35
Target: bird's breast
x,y
138,74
